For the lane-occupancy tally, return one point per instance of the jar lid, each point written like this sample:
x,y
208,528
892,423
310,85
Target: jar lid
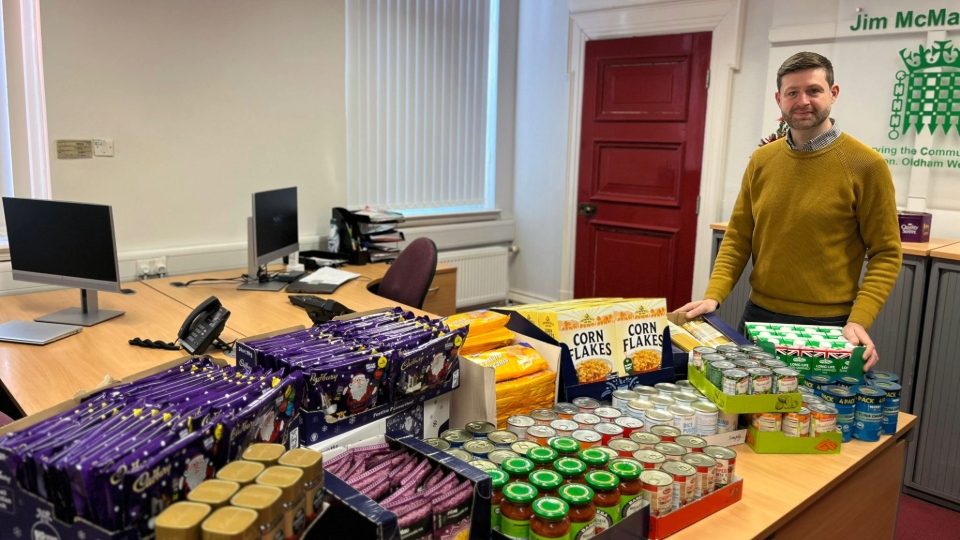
x,y
310,461
216,493
266,500
499,477
569,466
241,472
265,453
520,492
565,445
550,508
517,466
625,469
576,493
542,455
602,480
230,522
288,479
545,480
182,520
592,456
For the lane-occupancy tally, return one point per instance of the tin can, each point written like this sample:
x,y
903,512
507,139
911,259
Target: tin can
x,y
823,419
518,424
848,381
666,389
727,422
735,356
868,414
646,440
785,380
696,359
692,443
766,422
539,434
761,381
705,418
638,407
657,490
684,482
646,392
484,464
845,401
772,363
662,403
685,385
746,364
566,410
760,356
624,447
543,417
805,390
736,382
502,439
480,428
497,456
607,414
629,425
817,381
726,463
810,399
654,418
706,473
586,420
585,404
649,459
564,427
607,431
438,443
456,437
891,405
460,454
686,397
521,447
587,438
684,419
479,448
620,398
797,424
715,364
883,376
610,451
672,451
727,348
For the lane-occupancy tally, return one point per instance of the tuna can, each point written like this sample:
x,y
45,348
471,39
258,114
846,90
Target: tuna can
x,y
638,407
497,456
521,447
539,434
726,463
646,392
715,370
518,424
456,437
848,381
629,425
564,427
646,440
684,385
684,482
797,424
705,418
586,420
438,443
672,451
649,458
479,448
786,380
657,490
587,438
666,389
543,417
624,447
486,465
883,376
585,404
684,419
845,401
891,405
696,359
823,419
607,431
766,422
727,422
735,382
706,473
460,454
816,381
620,398
662,403
502,439
566,411
480,428
692,443
685,398
654,418
868,414
761,381
607,414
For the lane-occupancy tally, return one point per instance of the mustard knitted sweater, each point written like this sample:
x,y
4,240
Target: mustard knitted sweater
x,y
808,219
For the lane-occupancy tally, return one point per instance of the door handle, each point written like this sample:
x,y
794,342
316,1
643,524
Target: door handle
x,y
587,209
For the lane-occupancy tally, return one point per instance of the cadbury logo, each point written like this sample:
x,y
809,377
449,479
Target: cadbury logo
x,y
409,363
317,378
148,479
41,535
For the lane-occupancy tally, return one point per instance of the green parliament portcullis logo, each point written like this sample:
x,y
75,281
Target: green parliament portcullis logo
x,y
923,98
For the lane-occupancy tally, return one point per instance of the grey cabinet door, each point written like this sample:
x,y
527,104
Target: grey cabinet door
x,y
732,308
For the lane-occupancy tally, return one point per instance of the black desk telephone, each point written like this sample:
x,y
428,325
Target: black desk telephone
x,y
203,326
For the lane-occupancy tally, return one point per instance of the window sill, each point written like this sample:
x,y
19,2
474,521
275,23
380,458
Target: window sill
x,y
470,216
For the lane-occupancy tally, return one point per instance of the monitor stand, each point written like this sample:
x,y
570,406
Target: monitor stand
x,y
88,314
262,286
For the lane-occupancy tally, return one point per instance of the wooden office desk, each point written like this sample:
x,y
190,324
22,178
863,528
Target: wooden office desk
x,y
257,312
38,377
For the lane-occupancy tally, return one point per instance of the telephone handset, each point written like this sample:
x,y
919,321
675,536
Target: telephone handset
x,y
203,326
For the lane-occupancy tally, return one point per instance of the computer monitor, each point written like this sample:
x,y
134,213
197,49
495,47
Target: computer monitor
x,y
68,244
272,232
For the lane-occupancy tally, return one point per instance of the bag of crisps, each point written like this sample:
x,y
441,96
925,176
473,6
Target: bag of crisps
x,y
481,321
511,361
484,342
521,395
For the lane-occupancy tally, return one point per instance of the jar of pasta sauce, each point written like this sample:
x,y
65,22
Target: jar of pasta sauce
x,y
516,509
582,510
606,497
499,480
551,520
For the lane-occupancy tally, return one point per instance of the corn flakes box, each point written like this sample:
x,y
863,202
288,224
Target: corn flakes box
x,y
590,333
639,330
546,317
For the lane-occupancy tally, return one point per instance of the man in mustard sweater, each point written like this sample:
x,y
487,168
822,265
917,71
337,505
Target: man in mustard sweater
x,y
811,206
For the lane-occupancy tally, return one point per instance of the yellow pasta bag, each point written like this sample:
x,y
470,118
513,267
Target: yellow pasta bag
x,y
523,394
484,342
481,321
511,361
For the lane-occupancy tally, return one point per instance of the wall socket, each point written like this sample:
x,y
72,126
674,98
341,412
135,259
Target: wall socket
x,y
155,267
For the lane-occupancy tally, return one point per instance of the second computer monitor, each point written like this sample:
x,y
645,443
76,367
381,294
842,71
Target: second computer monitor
x,y
272,233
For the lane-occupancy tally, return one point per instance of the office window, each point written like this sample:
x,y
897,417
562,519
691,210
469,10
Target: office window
x,y
421,104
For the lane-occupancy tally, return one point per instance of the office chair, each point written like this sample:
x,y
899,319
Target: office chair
x,y
410,276
5,420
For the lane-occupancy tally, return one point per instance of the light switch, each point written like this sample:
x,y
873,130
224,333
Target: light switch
x,y
103,147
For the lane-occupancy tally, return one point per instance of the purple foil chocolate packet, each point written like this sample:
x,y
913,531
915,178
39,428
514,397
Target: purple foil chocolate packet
x,y
376,490
416,521
435,478
362,475
394,504
383,458
266,419
418,475
451,512
404,471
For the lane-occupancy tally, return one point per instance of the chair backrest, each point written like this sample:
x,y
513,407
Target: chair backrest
x,y
410,276
5,420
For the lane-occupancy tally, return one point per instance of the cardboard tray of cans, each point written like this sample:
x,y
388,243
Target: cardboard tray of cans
x,y
664,526
635,527
353,515
789,402
808,356
776,442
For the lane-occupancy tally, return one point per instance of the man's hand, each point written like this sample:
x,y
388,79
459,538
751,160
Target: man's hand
x,y
857,335
698,308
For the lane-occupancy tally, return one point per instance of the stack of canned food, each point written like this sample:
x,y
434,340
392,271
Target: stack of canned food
x,y
744,370
866,408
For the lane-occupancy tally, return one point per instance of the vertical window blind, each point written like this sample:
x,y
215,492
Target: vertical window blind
x,y
421,79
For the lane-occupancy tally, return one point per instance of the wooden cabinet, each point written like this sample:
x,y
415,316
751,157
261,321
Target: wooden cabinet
x,y
442,296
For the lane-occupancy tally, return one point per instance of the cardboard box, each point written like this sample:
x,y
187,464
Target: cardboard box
x,y
775,442
804,353
790,402
914,226
664,526
427,420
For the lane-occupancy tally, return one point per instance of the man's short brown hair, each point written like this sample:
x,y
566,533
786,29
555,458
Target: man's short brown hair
x,y
802,61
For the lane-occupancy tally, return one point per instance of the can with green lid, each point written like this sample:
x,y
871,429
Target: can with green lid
x,y
498,479
551,520
582,510
542,457
565,446
571,469
517,467
595,458
606,497
628,471
516,509
546,482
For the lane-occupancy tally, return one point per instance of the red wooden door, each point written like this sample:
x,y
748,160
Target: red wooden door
x,y
644,106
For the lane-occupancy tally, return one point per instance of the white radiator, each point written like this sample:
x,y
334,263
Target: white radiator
x,y
481,274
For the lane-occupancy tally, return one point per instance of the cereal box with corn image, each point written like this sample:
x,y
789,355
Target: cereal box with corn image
x,y
589,333
639,331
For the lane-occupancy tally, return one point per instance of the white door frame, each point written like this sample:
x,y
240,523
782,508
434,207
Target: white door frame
x,y
607,19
